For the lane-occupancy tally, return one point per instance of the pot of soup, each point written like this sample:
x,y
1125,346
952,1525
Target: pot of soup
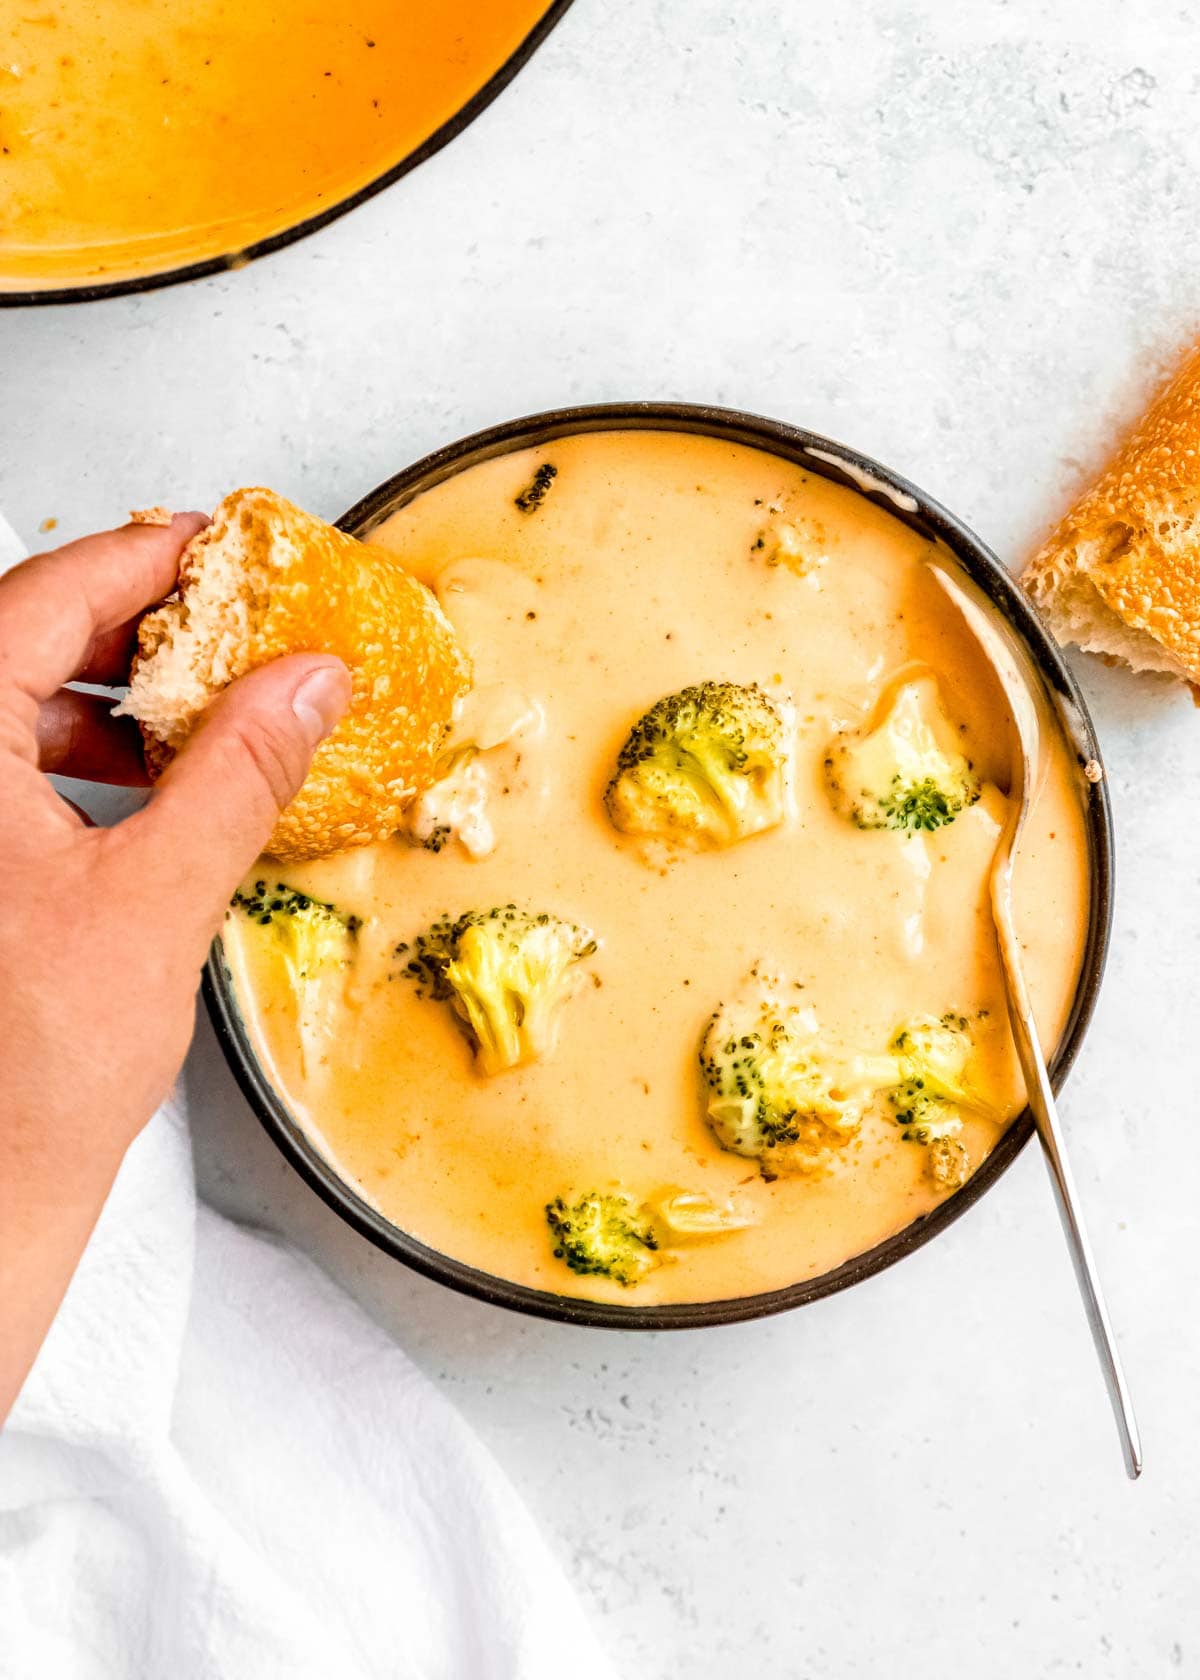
x,y
676,1001
144,142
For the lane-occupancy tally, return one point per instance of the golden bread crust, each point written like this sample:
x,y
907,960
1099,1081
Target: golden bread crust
x,y
1134,537
314,589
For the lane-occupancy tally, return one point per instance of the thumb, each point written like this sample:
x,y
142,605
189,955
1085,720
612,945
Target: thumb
x,y
215,806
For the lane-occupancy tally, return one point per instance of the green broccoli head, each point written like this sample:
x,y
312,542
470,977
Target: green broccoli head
x,y
604,1236
314,944
932,1054
704,767
507,972
907,772
312,935
774,1092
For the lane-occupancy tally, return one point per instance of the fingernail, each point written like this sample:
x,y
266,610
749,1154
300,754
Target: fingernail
x,y
320,699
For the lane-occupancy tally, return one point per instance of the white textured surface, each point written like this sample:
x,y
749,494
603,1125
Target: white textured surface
x,y
963,239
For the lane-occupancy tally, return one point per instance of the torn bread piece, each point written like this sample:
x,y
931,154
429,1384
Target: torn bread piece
x,y
266,579
1121,573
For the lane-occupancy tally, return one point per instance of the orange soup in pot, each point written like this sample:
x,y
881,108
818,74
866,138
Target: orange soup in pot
x,y
137,136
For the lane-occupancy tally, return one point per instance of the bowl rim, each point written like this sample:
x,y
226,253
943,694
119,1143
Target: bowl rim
x,y
922,513
229,261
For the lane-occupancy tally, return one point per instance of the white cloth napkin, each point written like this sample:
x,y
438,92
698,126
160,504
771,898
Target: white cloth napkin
x,y
219,1467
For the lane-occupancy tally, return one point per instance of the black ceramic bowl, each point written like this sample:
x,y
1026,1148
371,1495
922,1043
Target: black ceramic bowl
x,y
905,502
85,292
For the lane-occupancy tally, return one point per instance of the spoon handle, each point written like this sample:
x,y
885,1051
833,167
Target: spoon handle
x,y
1050,1133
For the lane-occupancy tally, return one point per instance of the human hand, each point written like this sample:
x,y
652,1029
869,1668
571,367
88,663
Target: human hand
x,y
103,932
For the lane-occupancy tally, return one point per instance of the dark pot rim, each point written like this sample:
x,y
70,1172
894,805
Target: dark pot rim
x,y
90,292
922,513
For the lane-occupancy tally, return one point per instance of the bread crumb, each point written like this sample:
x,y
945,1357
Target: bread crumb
x,y
48,524
1094,770
151,516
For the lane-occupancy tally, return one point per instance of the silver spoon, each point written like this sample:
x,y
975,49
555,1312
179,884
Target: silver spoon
x,y
1026,757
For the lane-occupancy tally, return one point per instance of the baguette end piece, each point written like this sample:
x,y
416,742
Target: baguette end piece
x,y
265,579
1120,576
1061,584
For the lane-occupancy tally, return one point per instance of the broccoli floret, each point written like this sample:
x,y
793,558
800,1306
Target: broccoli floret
x,y
613,1235
704,767
604,1236
907,772
775,1093
931,1058
536,491
507,973
312,936
315,943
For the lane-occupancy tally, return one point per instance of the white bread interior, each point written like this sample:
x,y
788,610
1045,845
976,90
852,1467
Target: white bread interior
x,y
198,642
1078,614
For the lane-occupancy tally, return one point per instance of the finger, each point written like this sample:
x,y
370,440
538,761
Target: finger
x,y
79,811
78,736
109,657
214,809
54,607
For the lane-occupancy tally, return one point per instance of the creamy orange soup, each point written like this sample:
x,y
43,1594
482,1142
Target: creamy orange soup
x,y
137,135
656,561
